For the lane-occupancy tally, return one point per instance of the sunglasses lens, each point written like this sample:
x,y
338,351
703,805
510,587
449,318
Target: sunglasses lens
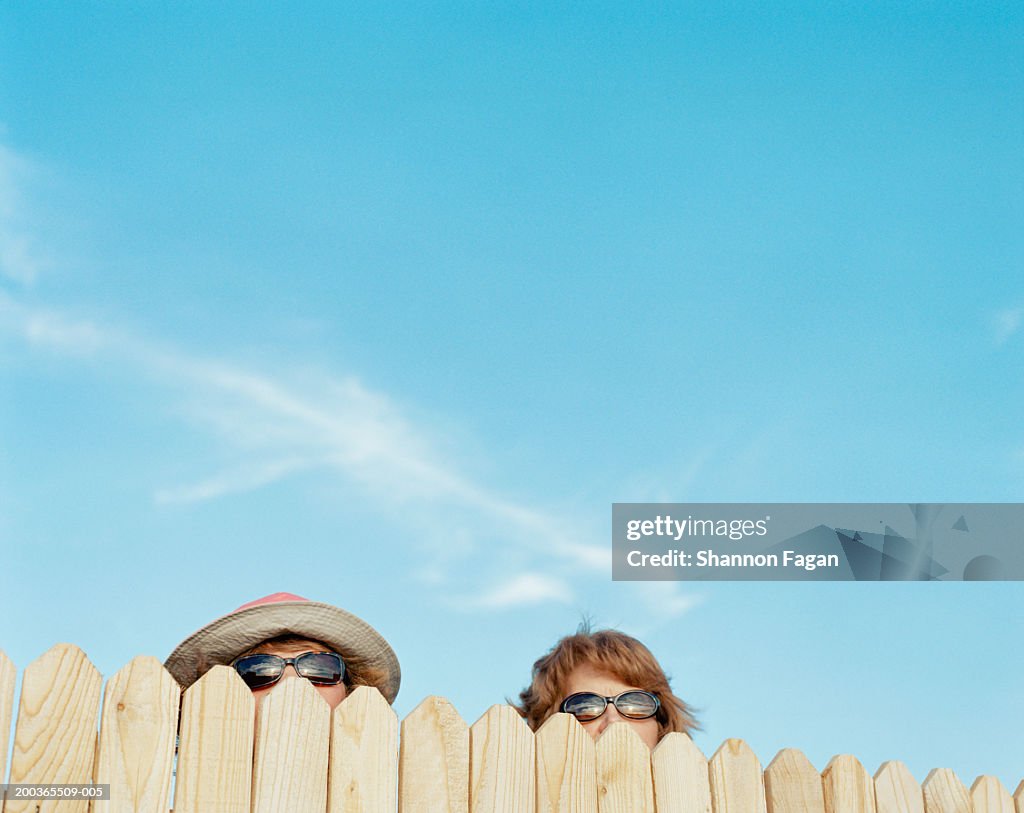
x,y
584,706
259,671
322,668
637,705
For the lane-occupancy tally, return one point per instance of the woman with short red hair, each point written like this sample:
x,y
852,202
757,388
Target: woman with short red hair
x,y
601,678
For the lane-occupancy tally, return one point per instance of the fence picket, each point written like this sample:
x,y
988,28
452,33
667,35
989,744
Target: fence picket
x,y
896,790
989,796
293,737
55,738
566,767
136,743
8,677
680,776
848,787
736,782
792,784
1018,797
433,763
945,793
215,753
624,780
364,755
501,763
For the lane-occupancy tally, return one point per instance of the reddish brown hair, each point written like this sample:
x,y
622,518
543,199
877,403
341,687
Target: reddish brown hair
x,y
619,655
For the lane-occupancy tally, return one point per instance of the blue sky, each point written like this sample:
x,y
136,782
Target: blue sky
x,y
386,307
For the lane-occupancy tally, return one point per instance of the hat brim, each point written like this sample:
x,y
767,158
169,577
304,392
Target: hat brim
x,y
223,640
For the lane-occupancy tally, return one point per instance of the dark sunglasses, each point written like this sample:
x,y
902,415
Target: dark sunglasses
x,y
319,668
634,705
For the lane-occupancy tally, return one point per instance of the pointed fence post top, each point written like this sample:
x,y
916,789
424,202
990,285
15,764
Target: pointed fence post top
x,y
503,715
894,770
944,791
142,674
989,796
847,763
64,661
621,738
676,745
943,777
790,760
732,750
896,790
222,681
791,782
435,710
291,691
362,704
560,727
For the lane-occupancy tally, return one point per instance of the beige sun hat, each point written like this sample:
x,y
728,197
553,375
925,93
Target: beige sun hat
x,y
223,640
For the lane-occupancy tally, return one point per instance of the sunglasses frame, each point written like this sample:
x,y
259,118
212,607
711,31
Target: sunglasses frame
x,y
614,701
293,663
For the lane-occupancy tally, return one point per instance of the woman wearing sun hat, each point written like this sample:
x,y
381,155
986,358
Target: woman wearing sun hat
x,y
284,634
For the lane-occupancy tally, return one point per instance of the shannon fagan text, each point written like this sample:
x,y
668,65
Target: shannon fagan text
x,y
708,558
678,528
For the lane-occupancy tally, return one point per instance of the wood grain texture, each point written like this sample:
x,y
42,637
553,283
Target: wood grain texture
x,y
363,771
295,757
896,790
945,793
848,787
293,738
502,763
680,773
624,780
8,677
989,796
216,748
566,767
137,734
792,784
433,763
735,778
55,739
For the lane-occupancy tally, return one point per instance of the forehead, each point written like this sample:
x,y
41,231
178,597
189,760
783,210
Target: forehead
x,y
289,648
585,678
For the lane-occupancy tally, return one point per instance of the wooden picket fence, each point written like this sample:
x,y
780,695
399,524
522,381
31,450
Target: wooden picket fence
x,y
295,755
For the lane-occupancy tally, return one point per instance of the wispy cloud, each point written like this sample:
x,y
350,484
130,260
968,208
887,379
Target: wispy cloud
x,y
521,590
1006,323
244,478
49,329
274,425
342,425
279,427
